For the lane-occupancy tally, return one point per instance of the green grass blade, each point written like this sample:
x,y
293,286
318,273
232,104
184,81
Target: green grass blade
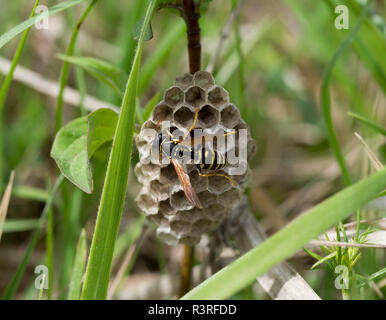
x,y
30,193
66,66
371,63
18,225
102,70
69,231
15,281
370,123
15,61
325,100
78,269
292,237
50,251
377,274
114,189
324,259
137,10
79,73
318,257
7,82
9,35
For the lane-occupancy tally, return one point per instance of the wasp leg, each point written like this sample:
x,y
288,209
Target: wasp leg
x,y
211,174
193,125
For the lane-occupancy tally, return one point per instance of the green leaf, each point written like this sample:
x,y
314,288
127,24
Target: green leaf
x,y
78,269
115,185
370,123
101,128
102,70
76,143
284,243
70,153
9,35
138,29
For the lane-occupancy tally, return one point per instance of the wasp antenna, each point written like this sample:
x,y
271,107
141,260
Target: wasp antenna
x,y
194,123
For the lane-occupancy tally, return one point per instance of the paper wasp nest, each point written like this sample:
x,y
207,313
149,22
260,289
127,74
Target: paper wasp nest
x,y
162,198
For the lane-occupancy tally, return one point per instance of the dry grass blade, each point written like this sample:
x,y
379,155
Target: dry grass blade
x,y
347,244
224,35
125,264
5,201
373,158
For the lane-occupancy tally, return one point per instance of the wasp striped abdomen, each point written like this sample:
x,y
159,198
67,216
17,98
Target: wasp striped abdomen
x,y
210,159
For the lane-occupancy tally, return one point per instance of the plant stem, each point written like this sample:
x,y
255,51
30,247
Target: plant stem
x,y
191,15
186,270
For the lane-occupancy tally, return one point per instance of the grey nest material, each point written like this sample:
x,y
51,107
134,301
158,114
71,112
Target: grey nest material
x,y
162,198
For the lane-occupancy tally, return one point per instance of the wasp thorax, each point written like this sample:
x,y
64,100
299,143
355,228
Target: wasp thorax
x,y
194,168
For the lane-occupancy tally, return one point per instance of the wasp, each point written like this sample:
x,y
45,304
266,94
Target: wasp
x,y
181,150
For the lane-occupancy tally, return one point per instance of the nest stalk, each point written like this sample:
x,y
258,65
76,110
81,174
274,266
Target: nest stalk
x,y
191,16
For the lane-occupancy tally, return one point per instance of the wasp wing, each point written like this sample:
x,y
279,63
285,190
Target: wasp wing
x,y
185,183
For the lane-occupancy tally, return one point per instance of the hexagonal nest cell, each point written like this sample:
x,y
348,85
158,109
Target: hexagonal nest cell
x,y
195,96
208,116
162,197
184,117
203,80
218,96
174,96
162,112
169,175
184,81
230,116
